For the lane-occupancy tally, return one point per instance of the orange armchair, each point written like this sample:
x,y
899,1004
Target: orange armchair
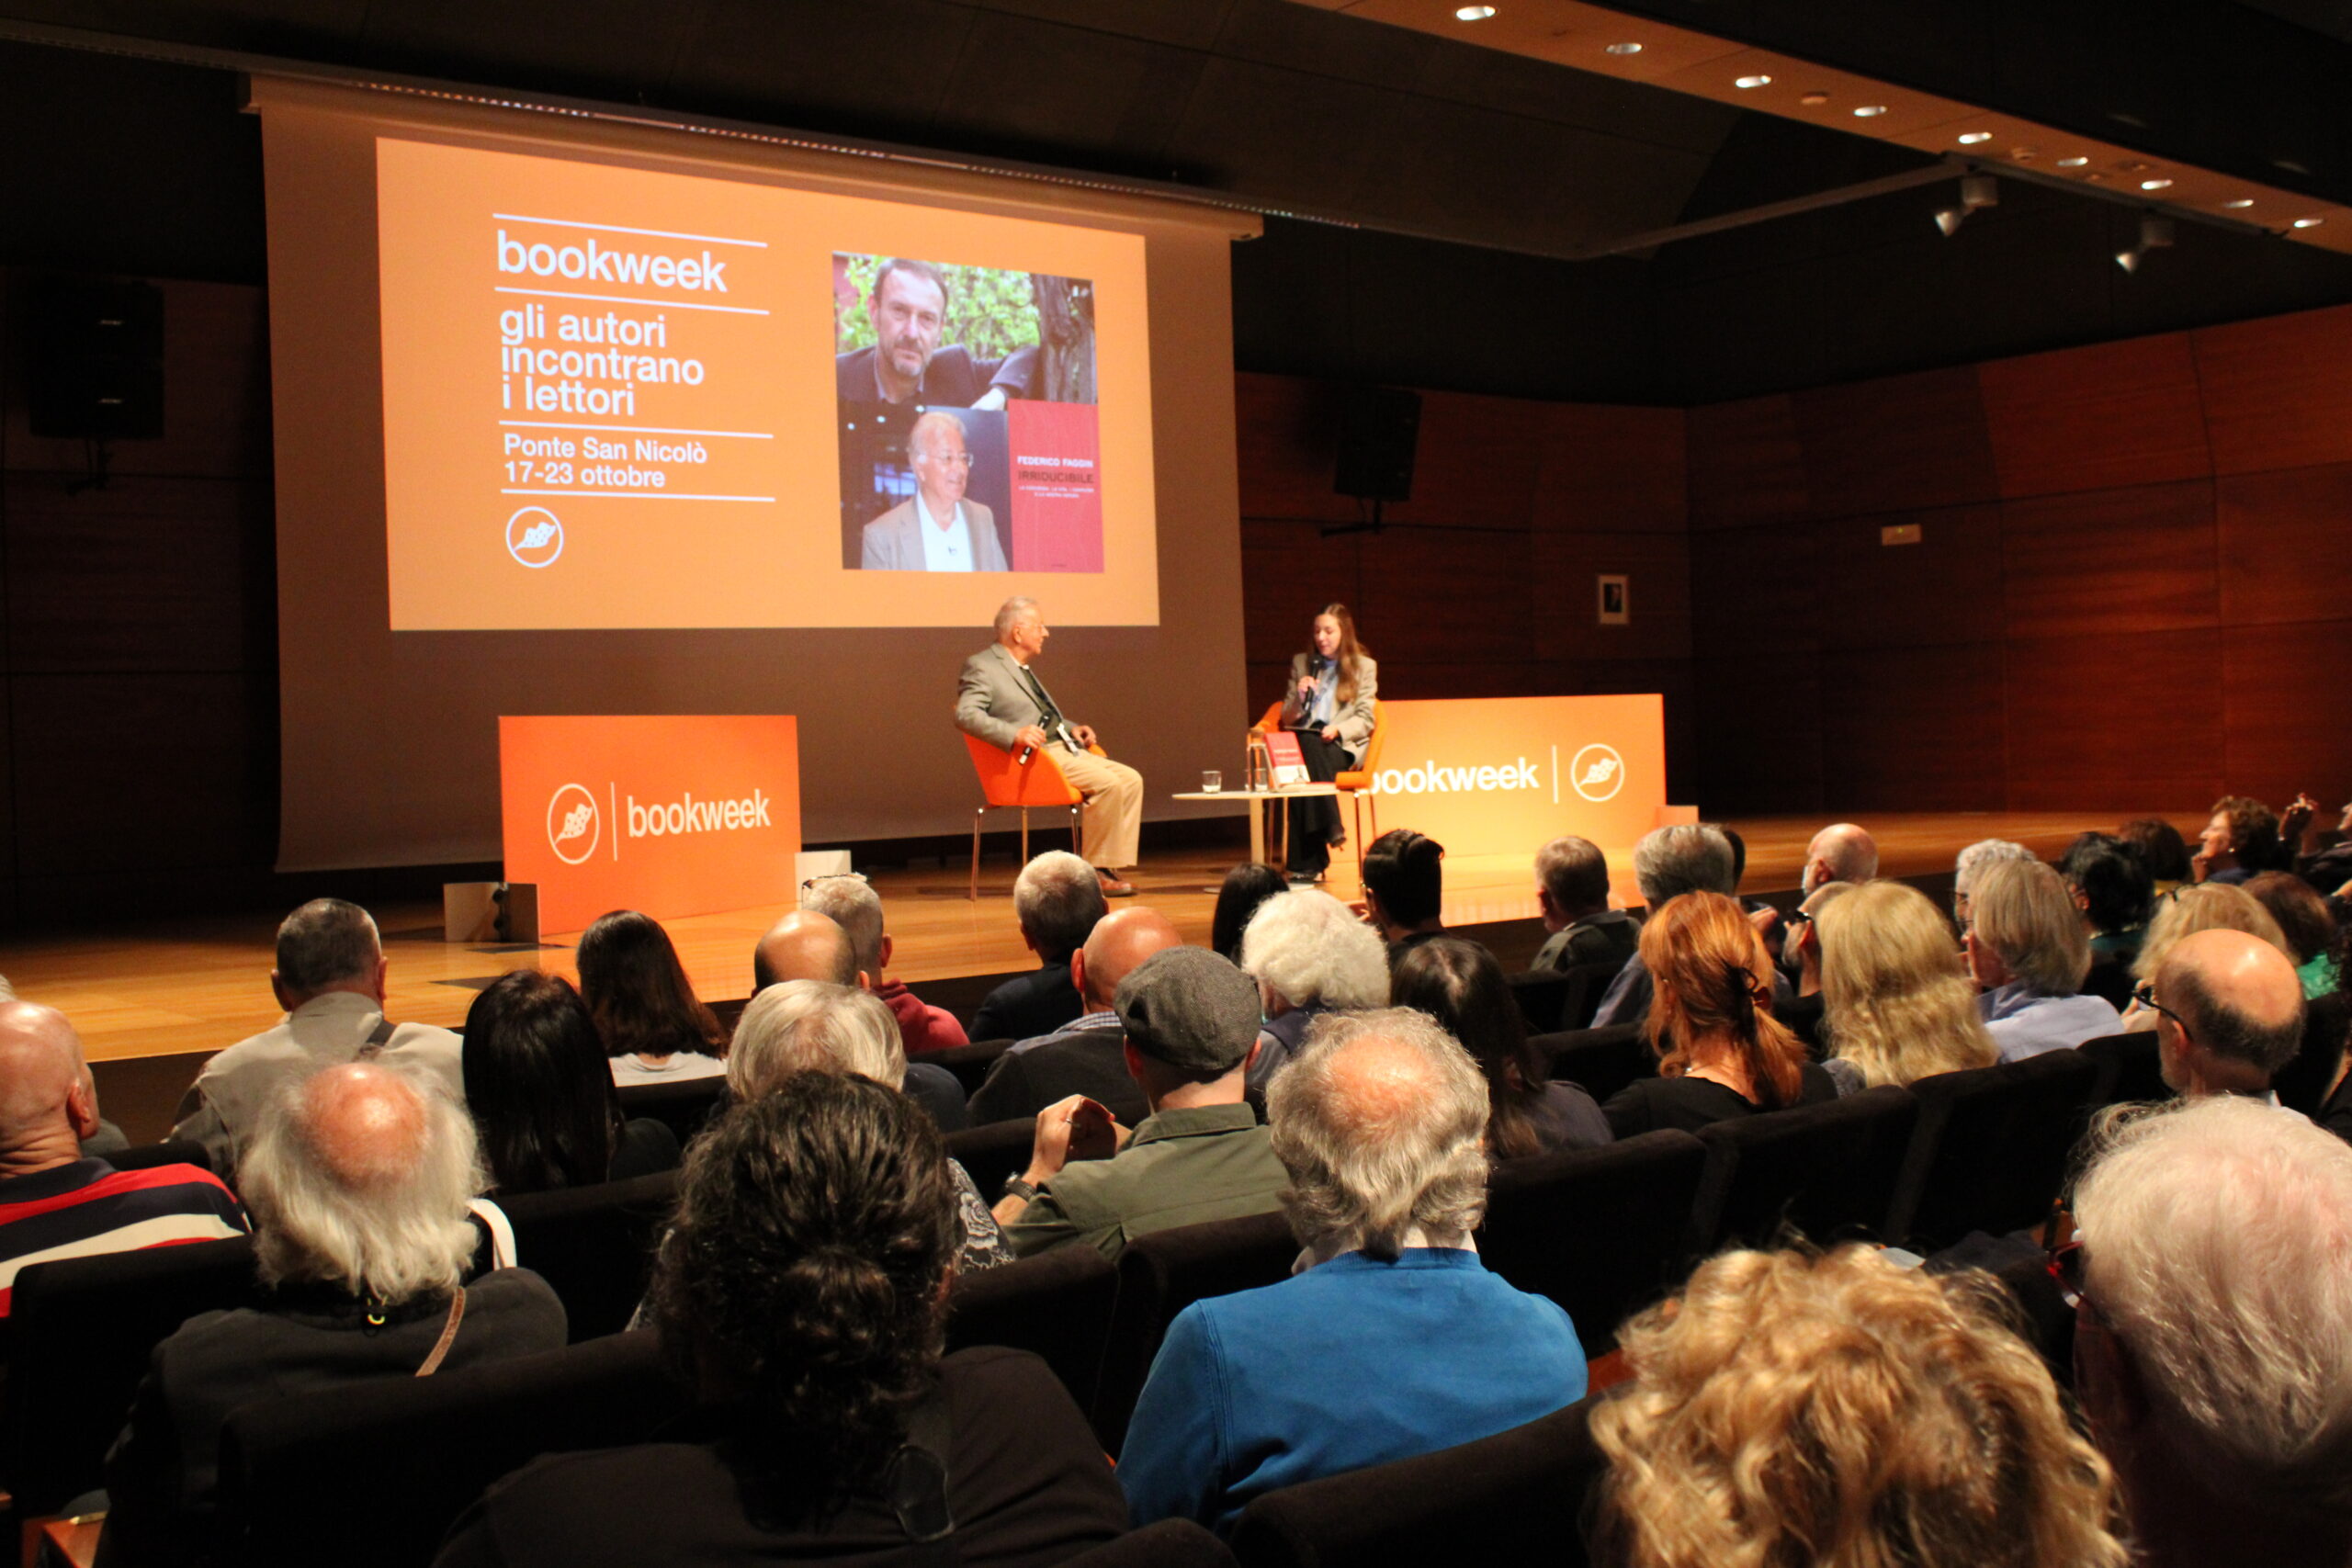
x,y
1005,780
1354,783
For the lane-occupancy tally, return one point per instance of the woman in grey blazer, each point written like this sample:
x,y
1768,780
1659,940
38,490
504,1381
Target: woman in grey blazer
x,y
1328,705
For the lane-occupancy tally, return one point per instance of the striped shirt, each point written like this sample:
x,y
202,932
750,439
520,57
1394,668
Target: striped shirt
x,y
88,1207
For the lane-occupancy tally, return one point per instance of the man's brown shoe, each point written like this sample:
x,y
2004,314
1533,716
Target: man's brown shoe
x,y
1112,887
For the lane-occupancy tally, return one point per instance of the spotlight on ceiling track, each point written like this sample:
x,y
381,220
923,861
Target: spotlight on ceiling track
x,y
1975,191
2155,233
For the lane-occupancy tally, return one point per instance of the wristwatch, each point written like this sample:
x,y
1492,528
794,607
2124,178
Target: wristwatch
x,y
1014,1187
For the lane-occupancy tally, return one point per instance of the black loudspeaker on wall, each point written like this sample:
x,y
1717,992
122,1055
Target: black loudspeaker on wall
x,y
1379,428
97,360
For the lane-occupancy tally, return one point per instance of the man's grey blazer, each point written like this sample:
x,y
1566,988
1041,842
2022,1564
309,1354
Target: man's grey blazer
x,y
991,699
894,540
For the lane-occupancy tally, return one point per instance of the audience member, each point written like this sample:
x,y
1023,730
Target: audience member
x,y
1970,864
1668,861
1310,956
805,945
803,1292
1843,851
2160,845
1246,885
330,980
2304,920
1572,892
2241,839
2328,868
2228,1015
540,1089
1056,898
1895,1005
1190,1020
2213,1336
654,1028
2110,883
1722,1053
815,1026
1086,1057
1403,887
358,1177
1459,984
1800,1408
2029,952
1397,1341
1801,949
2199,907
58,1202
853,906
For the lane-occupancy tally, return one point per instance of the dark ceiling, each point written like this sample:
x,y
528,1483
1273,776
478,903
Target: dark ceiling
x,y
1435,165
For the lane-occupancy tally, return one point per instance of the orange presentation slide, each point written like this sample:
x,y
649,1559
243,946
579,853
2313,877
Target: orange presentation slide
x,y
669,814
621,396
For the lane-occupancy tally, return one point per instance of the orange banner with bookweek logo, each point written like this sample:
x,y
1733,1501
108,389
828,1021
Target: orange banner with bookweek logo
x,y
669,814
1503,775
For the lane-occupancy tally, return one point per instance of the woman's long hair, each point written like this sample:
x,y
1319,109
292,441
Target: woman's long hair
x,y
639,993
1350,651
539,1085
1894,1001
1714,987
1459,985
1245,887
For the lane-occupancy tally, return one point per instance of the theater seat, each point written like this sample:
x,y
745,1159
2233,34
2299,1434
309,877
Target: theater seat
x,y
1516,1497
1555,999
970,1063
1600,1060
373,1475
594,1246
1170,1543
1991,1148
1823,1170
994,1151
174,1151
683,1107
1056,1305
2128,1068
83,1330
2302,1084
1599,1231
1160,1274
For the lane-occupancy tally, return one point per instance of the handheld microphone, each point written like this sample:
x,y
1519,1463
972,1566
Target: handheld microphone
x,y
1026,753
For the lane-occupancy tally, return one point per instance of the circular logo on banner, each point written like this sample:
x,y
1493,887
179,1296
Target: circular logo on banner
x,y
1596,773
574,825
535,537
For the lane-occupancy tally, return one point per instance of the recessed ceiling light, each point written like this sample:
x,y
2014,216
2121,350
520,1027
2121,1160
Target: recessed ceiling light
x,y
1625,49
2308,222
1474,13
1970,138
2156,184
1753,82
2243,201
2071,163
2025,155
1816,99
1868,111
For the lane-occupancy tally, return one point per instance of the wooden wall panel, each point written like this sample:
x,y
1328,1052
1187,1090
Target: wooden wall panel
x,y
1289,572
1753,593
1611,471
2289,710
2285,545
1747,465
2095,418
1476,463
1565,608
2110,562
1436,596
1286,439
2114,723
1945,588
1760,718
1897,445
2277,391
1915,729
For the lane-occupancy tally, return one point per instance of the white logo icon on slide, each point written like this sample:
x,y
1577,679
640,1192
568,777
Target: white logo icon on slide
x,y
1596,773
533,536
573,821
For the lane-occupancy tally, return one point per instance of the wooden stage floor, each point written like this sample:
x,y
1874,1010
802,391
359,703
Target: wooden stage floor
x,y
194,986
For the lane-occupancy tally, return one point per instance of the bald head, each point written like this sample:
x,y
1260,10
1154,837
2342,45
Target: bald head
x,y
2234,1012
47,1103
1843,851
365,1125
1114,947
804,945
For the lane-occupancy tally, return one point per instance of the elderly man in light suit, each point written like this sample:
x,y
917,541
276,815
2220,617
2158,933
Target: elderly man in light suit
x,y
1001,701
935,529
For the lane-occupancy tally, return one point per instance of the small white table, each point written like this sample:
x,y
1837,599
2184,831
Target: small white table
x,y
1261,805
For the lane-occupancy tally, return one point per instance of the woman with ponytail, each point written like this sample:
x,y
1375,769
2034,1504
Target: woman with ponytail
x,y
1721,1052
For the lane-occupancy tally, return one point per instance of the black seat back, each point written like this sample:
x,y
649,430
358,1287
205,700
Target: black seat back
x,y
1520,1496
594,1246
684,1107
993,1151
1991,1148
82,1333
1600,1060
1170,1543
1542,996
2128,1068
2110,979
1056,1305
1824,1171
1160,1274
373,1475
1599,1231
970,1063
171,1150
2302,1084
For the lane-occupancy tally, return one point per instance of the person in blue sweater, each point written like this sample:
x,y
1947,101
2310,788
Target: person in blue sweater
x,y
1390,1339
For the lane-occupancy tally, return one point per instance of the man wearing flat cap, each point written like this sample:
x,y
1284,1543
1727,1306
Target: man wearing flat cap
x,y
1191,1021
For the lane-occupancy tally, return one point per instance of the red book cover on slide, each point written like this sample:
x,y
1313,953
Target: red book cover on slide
x,y
1057,493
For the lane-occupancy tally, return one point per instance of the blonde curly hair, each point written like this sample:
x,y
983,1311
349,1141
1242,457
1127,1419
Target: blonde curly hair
x,y
1894,1002
1806,1410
